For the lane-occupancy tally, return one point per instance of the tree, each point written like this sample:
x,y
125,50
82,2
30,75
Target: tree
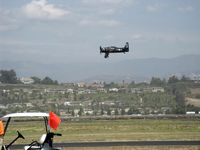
x,y
80,111
133,110
102,112
36,80
55,82
157,82
178,110
193,108
132,84
123,111
47,80
185,79
173,79
130,111
73,113
8,76
109,112
180,99
116,112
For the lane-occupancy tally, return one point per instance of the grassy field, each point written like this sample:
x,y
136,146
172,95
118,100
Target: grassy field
x,y
124,130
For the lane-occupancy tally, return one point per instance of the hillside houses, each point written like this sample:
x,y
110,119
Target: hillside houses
x,y
147,89
83,99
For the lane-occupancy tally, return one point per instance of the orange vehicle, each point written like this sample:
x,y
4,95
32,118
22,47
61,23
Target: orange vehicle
x,y
1,128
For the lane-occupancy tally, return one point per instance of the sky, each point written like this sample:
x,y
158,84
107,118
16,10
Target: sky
x,y
68,31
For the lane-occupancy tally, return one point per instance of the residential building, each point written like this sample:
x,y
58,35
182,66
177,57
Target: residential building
x,y
27,80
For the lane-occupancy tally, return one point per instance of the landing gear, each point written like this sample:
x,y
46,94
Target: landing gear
x,y
106,55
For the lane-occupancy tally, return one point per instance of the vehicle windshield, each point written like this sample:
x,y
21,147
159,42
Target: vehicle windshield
x,y
31,128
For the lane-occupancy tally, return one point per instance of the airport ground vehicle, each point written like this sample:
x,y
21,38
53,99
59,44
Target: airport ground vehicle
x,y
46,140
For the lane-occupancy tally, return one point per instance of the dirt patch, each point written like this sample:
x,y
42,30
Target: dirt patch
x,y
193,101
195,91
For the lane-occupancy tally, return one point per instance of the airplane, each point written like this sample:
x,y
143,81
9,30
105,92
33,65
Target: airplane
x,y
113,49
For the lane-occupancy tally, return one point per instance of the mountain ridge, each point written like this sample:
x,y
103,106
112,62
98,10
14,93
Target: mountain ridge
x,y
132,69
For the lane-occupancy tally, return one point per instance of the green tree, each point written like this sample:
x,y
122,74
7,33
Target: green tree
x,y
55,82
130,111
173,79
193,108
47,80
102,112
116,112
157,82
180,99
123,111
178,110
108,112
73,114
132,85
8,76
185,79
36,80
80,111
133,110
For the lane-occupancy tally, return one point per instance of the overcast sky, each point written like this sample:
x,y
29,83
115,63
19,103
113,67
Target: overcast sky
x,y
51,31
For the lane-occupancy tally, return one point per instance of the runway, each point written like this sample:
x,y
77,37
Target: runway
x,y
129,143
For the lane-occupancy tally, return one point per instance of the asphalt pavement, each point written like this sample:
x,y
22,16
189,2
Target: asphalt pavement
x,y
129,143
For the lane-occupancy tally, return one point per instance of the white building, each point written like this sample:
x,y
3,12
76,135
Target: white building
x,y
27,80
67,103
2,106
190,113
157,89
70,91
114,90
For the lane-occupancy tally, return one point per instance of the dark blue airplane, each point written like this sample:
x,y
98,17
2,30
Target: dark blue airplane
x,y
113,49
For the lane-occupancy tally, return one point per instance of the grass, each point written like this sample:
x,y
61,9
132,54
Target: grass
x,y
125,130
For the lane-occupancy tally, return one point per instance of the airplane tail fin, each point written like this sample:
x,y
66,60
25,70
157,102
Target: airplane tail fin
x,y
126,47
101,49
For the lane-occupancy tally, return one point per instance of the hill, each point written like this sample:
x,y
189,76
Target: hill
x,y
128,70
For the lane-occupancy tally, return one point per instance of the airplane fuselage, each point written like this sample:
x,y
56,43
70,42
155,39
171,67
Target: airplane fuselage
x,y
113,49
